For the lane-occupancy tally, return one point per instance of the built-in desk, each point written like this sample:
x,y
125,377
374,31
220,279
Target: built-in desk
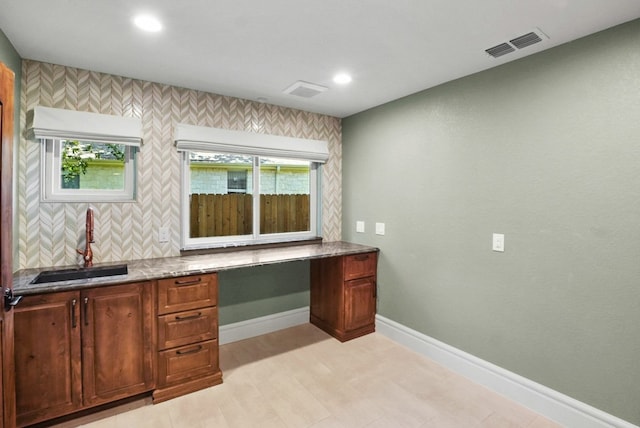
x,y
167,267
164,315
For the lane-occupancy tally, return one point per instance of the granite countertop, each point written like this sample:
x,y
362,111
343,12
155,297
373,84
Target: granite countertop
x,y
142,270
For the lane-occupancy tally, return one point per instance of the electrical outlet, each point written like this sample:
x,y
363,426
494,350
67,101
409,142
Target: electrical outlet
x,y
163,234
360,226
379,228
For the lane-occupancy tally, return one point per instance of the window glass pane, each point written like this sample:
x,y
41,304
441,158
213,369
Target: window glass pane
x,y
87,165
237,181
284,195
220,195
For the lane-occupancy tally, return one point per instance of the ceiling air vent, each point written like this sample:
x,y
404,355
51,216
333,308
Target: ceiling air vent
x,y
519,42
501,49
305,89
526,40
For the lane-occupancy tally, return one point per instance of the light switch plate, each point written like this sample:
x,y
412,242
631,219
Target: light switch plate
x,y
498,242
360,226
379,228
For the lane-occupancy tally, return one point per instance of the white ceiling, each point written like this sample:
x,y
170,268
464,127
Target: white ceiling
x,y
257,48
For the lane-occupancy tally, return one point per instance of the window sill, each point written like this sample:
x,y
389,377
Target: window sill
x,y
228,249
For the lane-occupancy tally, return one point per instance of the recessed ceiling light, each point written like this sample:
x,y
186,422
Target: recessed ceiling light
x,y
342,78
148,23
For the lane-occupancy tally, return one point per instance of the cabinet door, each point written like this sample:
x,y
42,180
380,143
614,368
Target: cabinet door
x,y
360,303
117,342
47,356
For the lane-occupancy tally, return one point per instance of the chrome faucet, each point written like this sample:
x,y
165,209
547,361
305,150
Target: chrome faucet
x,y
87,254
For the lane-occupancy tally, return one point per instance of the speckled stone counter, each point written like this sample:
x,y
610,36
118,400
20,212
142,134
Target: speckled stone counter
x,y
141,270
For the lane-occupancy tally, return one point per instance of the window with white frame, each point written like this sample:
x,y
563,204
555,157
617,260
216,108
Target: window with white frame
x,y
86,156
75,170
242,188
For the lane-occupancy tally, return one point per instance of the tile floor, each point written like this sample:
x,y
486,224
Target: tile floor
x,y
301,377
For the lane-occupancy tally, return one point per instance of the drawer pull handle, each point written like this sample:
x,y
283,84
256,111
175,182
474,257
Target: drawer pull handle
x,y
73,314
86,311
188,317
362,257
188,281
190,351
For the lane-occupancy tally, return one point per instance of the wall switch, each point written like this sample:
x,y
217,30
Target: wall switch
x,y
379,228
498,242
360,226
163,234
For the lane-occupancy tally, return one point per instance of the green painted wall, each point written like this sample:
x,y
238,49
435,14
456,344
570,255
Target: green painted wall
x,y
9,56
546,150
264,290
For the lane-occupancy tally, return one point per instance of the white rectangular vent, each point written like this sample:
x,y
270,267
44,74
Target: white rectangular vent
x,y
305,89
517,43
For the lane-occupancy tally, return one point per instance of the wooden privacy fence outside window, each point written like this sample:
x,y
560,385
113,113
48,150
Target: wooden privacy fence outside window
x,y
231,214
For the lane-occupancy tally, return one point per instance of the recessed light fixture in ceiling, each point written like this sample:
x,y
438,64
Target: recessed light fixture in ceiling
x,y
342,78
148,23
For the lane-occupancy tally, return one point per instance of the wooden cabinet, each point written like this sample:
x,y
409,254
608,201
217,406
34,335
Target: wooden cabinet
x,y
187,335
47,356
117,342
343,295
79,349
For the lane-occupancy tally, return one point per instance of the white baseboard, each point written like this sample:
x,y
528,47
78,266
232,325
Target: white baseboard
x,y
263,325
545,401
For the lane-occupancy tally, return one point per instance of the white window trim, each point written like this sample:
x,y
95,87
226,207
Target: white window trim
x,y
200,138
188,243
51,188
49,124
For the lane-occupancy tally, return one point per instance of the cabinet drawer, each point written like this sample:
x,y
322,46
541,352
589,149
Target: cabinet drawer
x,y
182,328
187,362
186,293
359,266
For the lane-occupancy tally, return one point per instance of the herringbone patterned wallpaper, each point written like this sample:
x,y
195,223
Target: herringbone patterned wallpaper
x,y
49,233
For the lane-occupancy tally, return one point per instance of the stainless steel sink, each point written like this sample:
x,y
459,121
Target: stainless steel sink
x,y
79,273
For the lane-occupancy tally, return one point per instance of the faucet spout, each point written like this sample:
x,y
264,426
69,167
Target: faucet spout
x,y
87,253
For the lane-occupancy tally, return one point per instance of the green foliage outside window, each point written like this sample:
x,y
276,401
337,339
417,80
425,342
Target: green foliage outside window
x,y
76,156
